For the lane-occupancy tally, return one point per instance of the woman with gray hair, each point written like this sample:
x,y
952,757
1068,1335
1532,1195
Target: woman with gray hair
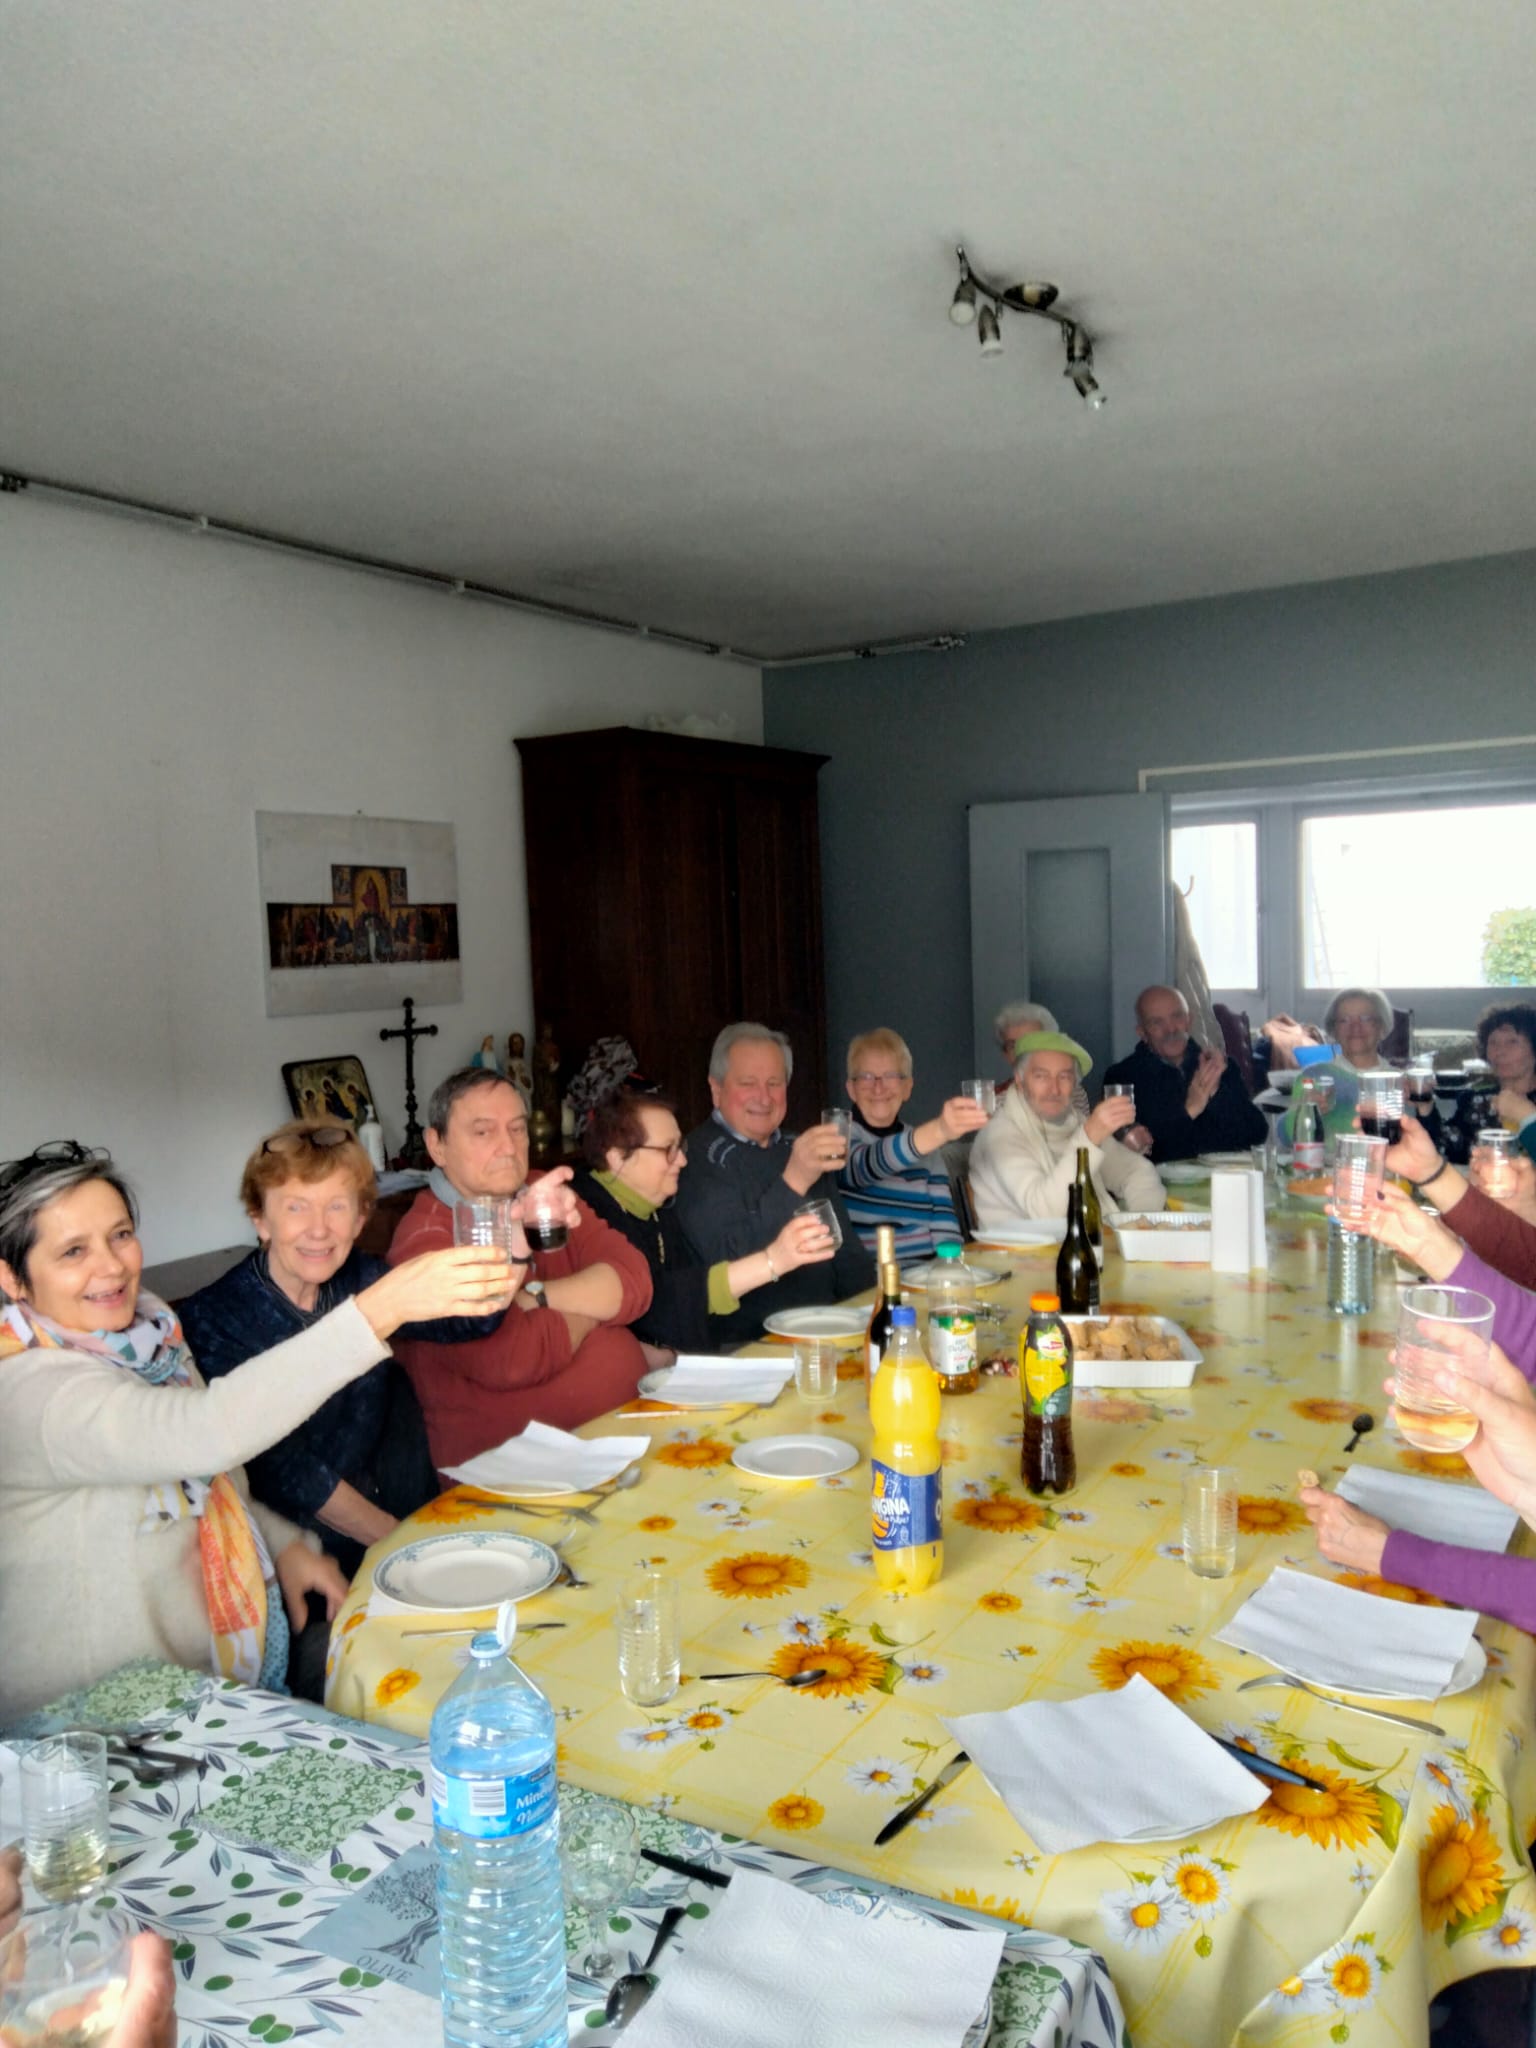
x,y
1357,1020
126,1525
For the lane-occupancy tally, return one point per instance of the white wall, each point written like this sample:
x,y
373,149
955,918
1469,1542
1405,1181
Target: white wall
x,y
156,689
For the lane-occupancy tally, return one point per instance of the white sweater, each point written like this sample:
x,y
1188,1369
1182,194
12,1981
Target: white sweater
x,y
1020,1166
83,1587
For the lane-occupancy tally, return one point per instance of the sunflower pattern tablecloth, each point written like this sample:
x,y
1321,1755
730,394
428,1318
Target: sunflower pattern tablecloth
x,y
1325,1916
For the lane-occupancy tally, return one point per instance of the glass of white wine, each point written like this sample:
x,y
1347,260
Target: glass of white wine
x,y
64,1813
63,1977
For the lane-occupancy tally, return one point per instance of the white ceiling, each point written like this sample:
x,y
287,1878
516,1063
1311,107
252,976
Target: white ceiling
x,y
641,308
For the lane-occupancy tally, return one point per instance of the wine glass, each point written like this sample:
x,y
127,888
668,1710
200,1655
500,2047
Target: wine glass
x,y
599,1855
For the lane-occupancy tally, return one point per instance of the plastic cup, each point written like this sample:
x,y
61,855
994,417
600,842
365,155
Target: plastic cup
x,y
826,1216
1359,1174
1381,1104
64,1813
488,1221
981,1091
63,1978
815,1369
544,1223
599,1854
1436,1326
1210,1520
1493,1164
650,1643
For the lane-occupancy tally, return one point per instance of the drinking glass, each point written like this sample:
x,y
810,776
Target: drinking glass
x,y
1381,1104
1436,1326
1114,1088
599,1855
650,1648
826,1216
1359,1172
1210,1520
1419,1085
981,1091
815,1369
544,1223
63,1977
1493,1163
485,1220
64,1812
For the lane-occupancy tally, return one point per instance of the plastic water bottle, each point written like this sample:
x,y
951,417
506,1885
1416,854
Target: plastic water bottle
x,y
1351,1271
497,1822
952,1323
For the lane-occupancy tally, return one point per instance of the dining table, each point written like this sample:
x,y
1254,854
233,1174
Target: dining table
x,y
285,1853
1334,1912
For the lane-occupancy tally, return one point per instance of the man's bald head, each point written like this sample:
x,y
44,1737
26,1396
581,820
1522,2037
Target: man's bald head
x,y
1162,1022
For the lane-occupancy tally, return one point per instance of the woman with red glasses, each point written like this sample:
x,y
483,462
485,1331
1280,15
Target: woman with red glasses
x,y
635,1157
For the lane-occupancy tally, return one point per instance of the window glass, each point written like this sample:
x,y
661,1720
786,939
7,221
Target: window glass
x,y
1221,861
1432,898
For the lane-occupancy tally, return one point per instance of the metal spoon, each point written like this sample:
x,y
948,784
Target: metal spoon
x,y
631,1990
800,1677
1363,1423
1333,1700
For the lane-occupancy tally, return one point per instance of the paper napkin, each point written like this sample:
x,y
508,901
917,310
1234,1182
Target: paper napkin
x,y
760,1380
1436,1508
547,1458
1139,1767
773,1965
1334,1636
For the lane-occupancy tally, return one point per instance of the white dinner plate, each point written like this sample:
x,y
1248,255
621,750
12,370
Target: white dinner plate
x,y
460,1574
1013,1237
834,1325
1180,1173
977,1277
795,1457
654,1387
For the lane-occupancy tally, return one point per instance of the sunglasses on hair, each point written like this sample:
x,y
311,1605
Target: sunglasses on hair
x,y
57,1152
286,1143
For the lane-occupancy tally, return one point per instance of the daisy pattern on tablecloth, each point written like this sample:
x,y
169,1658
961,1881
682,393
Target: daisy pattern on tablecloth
x,y
883,1775
1146,1917
921,1670
1202,1885
1512,1935
655,1735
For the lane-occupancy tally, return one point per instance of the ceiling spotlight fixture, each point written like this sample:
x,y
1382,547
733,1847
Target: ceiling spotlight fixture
x,y
1032,296
962,307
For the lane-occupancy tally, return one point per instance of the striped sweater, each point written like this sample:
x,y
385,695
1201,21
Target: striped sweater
x,y
887,1180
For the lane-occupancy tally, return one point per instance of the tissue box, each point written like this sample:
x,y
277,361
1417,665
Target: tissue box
x,y
1178,1235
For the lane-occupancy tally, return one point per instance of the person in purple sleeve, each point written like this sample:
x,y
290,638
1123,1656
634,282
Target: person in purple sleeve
x,y
1502,1232
1502,1455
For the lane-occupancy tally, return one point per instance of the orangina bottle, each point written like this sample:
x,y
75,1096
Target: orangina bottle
x,y
906,1507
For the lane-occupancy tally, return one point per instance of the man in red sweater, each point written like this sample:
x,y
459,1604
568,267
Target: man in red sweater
x,y
561,1354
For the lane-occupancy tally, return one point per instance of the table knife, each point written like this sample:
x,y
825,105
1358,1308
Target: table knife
x,y
959,1762
684,1868
1266,1767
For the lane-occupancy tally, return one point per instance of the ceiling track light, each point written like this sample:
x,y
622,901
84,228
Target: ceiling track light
x,y
1031,296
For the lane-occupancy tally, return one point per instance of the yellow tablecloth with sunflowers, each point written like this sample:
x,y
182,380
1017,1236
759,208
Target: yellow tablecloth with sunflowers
x,y
1325,1916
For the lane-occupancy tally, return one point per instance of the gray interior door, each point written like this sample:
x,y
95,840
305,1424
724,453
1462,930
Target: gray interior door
x,y
1069,906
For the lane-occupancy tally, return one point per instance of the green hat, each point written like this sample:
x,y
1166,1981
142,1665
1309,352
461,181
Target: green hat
x,y
1052,1041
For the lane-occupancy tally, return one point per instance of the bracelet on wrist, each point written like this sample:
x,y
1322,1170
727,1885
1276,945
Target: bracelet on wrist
x,y
773,1271
1430,1179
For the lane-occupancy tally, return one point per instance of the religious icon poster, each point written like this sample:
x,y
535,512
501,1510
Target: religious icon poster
x,y
356,912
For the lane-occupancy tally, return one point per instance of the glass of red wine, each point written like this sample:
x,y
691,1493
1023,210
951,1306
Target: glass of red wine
x,y
1381,1104
1419,1086
544,1223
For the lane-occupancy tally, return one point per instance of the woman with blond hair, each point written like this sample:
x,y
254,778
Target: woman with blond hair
x,y
896,1173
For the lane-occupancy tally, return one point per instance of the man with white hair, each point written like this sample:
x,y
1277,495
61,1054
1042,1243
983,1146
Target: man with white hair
x,y
747,1176
1010,1025
1025,1160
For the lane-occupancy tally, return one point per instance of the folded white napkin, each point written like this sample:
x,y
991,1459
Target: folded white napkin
x,y
546,1458
1436,1508
1139,1767
1334,1636
773,1965
760,1380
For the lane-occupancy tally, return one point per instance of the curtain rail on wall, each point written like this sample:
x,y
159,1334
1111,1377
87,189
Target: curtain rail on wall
x,y
1148,778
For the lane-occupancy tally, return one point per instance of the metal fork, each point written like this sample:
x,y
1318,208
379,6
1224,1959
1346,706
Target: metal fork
x,y
1332,1699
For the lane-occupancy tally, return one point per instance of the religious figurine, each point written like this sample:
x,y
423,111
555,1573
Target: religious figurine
x,y
519,1073
486,1056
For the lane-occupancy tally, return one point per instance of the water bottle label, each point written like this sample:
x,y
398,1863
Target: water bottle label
x,y
906,1510
1307,1158
952,1342
493,1809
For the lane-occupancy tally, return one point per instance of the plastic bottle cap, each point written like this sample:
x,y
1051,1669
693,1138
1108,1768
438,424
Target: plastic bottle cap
x,y
1043,1303
904,1318
946,1251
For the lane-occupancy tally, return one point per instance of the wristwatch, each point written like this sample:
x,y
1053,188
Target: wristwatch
x,y
536,1289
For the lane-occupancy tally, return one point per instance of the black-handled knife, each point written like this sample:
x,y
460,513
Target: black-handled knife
x,y
959,1762
684,1868
1264,1767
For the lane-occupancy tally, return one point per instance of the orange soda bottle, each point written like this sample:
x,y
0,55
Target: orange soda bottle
x,y
906,1500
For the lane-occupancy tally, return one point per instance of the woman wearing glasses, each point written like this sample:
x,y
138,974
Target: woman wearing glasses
x,y
636,1155
352,1469
126,1524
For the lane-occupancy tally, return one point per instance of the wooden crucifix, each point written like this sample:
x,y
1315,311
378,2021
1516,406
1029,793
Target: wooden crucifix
x,y
413,1152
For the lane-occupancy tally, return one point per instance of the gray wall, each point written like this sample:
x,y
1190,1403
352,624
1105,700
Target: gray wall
x,y
1077,708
